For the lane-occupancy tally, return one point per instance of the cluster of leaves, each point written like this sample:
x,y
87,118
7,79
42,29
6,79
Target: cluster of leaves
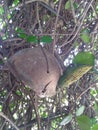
x,y
34,39
83,121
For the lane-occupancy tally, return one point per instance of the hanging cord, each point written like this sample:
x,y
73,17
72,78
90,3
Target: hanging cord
x,y
44,55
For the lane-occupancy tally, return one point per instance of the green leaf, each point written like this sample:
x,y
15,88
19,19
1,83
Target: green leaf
x,y
18,92
84,58
75,5
1,108
46,39
66,120
93,121
16,2
12,105
67,5
85,36
19,30
22,35
96,107
96,7
1,10
9,16
32,39
80,111
84,122
1,62
95,127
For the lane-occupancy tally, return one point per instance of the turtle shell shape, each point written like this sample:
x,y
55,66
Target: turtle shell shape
x,y
30,66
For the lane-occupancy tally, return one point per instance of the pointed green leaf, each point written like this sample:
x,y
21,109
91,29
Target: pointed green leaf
x,y
67,5
95,127
1,10
85,36
46,39
32,39
84,58
84,122
80,111
66,120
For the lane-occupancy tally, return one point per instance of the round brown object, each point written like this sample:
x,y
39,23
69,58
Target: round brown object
x,y
30,66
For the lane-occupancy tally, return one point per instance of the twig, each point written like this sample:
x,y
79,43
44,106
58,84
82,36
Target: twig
x,y
73,11
42,2
86,90
4,116
37,15
35,104
27,2
54,42
81,23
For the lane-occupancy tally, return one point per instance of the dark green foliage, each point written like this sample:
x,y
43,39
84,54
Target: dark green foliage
x,y
84,122
84,58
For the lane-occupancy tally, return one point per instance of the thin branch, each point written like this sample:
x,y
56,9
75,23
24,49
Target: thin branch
x,y
59,7
73,11
86,90
37,15
27,2
42,2
4,116
81,23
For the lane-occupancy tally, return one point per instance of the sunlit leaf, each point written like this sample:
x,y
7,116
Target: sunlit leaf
x,y
16,2
85,36
12,105
1,108
9,16
67,5
84,122
18,93
46,39
66,120
84,58
32,39
95,127
1,10
80,111
96,7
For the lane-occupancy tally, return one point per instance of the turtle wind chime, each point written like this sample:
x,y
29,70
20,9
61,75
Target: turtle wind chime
x,y
41,71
